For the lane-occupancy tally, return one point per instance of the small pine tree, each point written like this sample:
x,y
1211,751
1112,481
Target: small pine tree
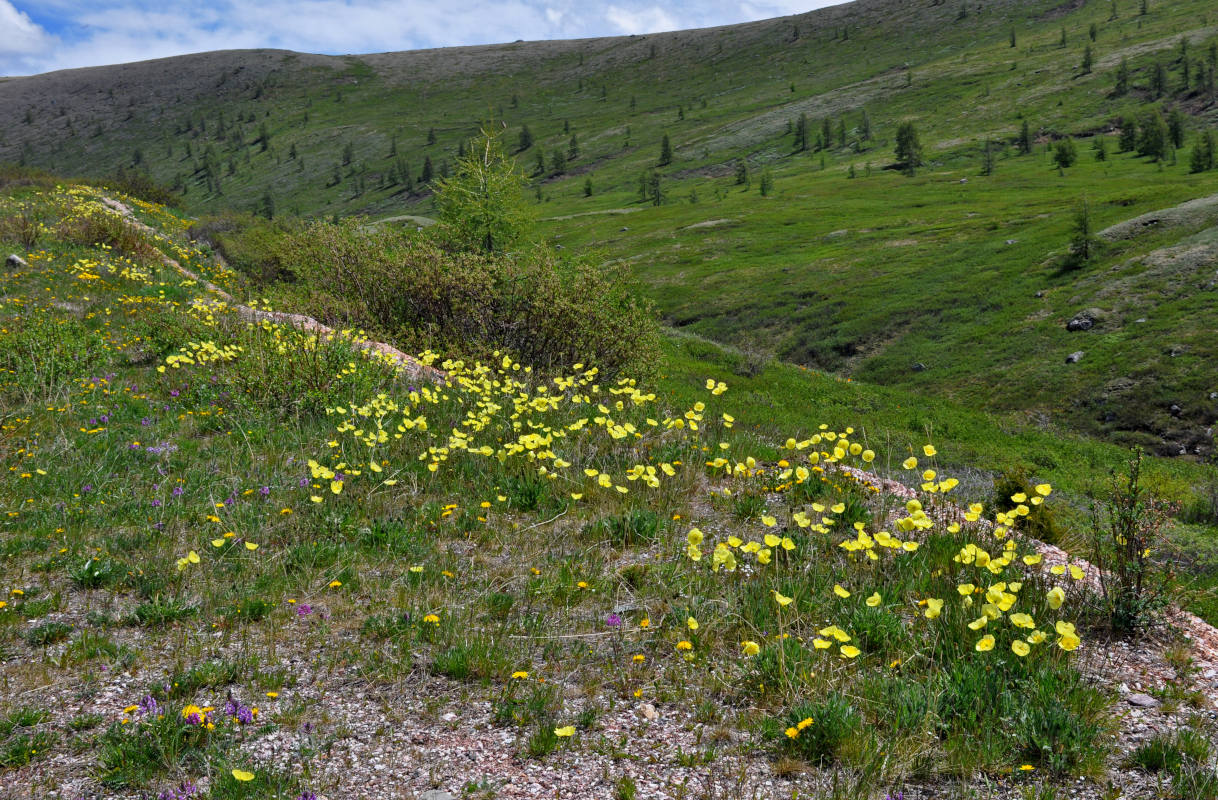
x,y
801,133
431,136
1093,31
841,132
1065,153
480,205
1144,8
1122,78
573,148
1203,153
1087,58
909,149
1128,139
1158,79
1062,42
767,182
865,127
588,186
526,139
1012,37
1084,246
987,158
393,146
826,133
656,188
665,152
428,171
1025,138
1153,135
348,153
1101,148
558,162
1175,127
742,174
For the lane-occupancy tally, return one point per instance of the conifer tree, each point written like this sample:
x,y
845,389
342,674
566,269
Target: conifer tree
x,y
909,149
665,152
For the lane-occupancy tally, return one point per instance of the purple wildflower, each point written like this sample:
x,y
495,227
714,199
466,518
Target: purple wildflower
x,y
178,491
148,705
613,621
265,490
88,487
303,610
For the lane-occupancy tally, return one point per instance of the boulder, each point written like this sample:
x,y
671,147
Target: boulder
x,y
1074,357
1085,320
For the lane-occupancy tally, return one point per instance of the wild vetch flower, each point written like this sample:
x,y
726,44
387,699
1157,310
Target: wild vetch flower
x,y
245,715
613,621
148,705
303,610
178,491
265,490
88,487
307,795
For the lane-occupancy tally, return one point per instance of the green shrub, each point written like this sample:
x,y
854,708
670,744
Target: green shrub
x,y
1126,528
1041,522
834,723
547,312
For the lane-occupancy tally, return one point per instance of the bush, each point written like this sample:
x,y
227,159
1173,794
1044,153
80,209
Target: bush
x,y
1041,522
833,723
548,313
140,185
1126,527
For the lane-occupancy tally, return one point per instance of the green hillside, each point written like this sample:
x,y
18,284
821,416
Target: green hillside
x,y
949,282
249,561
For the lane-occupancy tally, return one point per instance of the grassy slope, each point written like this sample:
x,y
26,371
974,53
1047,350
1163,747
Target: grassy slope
x,y
91,524
866,277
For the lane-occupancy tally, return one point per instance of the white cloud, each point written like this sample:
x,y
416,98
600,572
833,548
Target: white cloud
x,y
642,20
21,37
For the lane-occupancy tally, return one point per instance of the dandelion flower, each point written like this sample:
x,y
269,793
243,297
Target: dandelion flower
x,y
691,623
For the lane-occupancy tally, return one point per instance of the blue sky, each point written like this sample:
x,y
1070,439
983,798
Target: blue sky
x,y
43,35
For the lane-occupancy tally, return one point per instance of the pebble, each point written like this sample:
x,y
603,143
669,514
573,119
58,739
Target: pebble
x,y
1141,700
